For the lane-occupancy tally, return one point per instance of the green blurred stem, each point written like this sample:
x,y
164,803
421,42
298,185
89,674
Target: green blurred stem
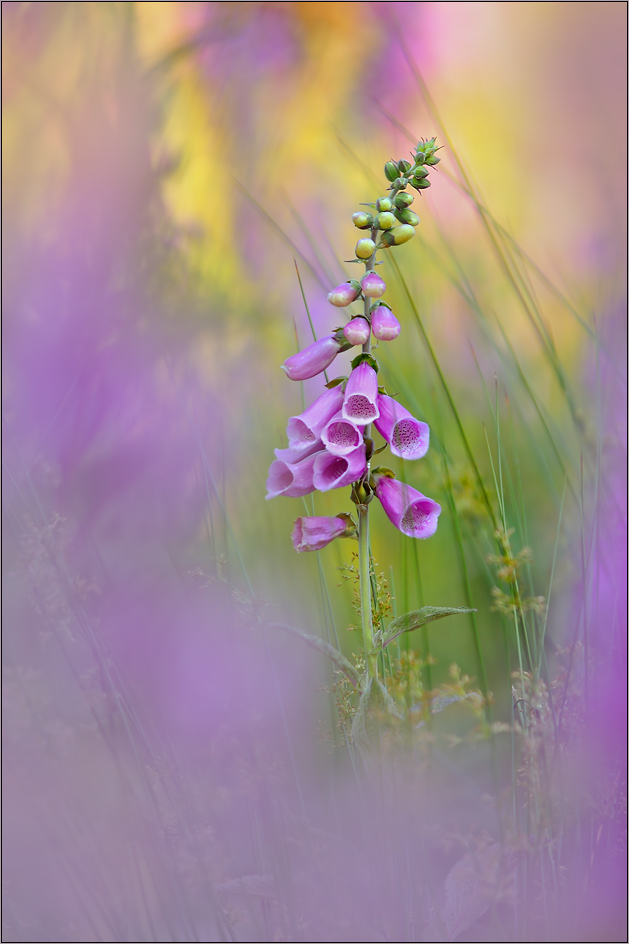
x,y
364,555
365,587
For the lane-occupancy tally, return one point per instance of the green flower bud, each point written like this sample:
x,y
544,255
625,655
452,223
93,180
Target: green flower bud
x,y
404,167
420,172
391,170
403,233
384,203
407,216
400,183
420,157
421,184
365,248
362,220
433,160
385,220
403,200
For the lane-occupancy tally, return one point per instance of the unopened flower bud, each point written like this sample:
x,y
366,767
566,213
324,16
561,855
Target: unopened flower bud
x,y
313,359
403,200
433,160
420,184
385,220
399,184
365,248
404,167
384,204
357,331
373,286
361,493
391,170
407,216
344,294
395,237
420,172
384,324
362,220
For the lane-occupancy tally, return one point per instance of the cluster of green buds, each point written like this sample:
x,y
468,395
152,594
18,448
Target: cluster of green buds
x,y
390,218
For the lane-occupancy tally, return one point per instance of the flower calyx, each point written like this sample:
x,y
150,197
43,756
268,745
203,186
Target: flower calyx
x,y
365,359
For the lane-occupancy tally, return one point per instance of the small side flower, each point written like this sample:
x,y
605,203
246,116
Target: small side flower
x,y
311,534
411,512
407,437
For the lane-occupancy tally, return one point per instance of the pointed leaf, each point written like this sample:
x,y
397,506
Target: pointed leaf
x,y
413,620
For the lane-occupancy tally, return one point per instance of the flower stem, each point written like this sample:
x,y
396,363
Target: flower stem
x,y
364,556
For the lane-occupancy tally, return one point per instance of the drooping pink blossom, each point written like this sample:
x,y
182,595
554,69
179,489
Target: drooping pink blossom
x,y
292,479
384,324
407,437
361,395
312,360
344,294
311,534
406,508
373,286
357,331
341,436
332,471
305,429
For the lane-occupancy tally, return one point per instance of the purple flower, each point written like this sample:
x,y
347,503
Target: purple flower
x,y
304,430
311,534
335,471
361,395
406,508
313,359
341,436
292,479
384,324
407,437
357,331
373,286
344,295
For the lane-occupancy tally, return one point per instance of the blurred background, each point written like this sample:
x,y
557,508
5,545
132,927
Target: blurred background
x,y
178,179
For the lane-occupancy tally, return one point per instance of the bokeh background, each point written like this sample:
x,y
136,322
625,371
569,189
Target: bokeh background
x,y
178,178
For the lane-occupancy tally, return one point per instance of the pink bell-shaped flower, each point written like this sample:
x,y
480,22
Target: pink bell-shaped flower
x,y
291,479
361,395
332,471
406,508
407,437
311,534
341,436
304,430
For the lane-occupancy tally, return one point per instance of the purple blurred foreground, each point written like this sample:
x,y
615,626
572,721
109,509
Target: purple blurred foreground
x,y
164,775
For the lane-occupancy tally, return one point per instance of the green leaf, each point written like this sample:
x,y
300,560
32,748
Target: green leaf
x,y
339,660
413,620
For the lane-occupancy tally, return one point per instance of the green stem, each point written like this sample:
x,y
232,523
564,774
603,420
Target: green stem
x,y
365,588
364,556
